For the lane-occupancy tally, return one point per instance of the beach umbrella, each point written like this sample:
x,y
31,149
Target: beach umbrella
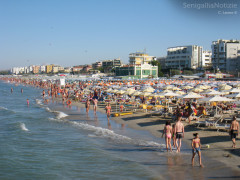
x,y
192,95
166,91
187,87
149,89
120,92
237,95
145,94
109,90
213,92
201,87
136,93
169,87
196,90
156,95
180,92
224,87
129,91
217,99
114,91
234,90
170,94
176,89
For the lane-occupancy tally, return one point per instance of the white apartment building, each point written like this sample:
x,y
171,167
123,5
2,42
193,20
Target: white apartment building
x,y
139,58
206,58
225,55
43,68
180,57
17,70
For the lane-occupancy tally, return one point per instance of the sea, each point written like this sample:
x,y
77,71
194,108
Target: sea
x,y
52,141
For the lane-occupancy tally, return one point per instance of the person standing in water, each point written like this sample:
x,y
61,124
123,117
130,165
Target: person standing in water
x,y
108,110
87,105
234,129
168,135
22,90
196,148
11,90
27,102
179,133
95,101
43,93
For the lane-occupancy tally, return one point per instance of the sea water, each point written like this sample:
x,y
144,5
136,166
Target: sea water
x,y
50,141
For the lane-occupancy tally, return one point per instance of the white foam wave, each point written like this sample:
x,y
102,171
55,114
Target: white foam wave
x,y
61,115
3,108
48,109
39,102
109,134
23,127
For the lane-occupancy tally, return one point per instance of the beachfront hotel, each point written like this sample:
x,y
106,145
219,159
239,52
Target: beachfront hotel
x,y
140,58
139,67
226,55
206,58
180,57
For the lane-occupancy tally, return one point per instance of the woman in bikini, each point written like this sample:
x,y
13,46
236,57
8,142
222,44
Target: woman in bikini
x,y
196,145
168,135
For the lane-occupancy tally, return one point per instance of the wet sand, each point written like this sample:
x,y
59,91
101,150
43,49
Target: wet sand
x,y
219,158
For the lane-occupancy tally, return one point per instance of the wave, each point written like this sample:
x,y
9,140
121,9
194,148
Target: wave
x,y
39,102
3,108
109,134
23,127
60,114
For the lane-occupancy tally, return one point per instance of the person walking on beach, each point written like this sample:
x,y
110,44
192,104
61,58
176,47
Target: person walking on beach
x,y
234,129
108,110
179,133
168,135
196,148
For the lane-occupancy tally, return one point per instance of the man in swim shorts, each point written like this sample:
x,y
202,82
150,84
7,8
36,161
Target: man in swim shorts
x,y
179,133
234,129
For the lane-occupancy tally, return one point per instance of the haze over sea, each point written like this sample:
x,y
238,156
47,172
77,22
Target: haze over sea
x,y
43,142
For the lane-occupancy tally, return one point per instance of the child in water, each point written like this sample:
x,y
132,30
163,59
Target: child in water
x,y
196,145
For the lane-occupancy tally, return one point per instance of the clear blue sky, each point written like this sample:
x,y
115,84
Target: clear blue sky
x,y
73,32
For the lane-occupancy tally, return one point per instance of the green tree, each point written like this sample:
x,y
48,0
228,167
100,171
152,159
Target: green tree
x,y
156,63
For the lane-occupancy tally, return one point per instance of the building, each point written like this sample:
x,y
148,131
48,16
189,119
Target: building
x,y
49,68
225,55
86,68
108,65
77,69
36,69
140,58
138,71
43,69
162,61
17,70
180,57
97,65
55,69
206,59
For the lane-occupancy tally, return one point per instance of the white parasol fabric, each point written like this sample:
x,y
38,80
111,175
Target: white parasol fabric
x,y
217,99
192,95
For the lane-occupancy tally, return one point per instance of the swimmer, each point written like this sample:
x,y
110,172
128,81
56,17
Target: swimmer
x,y
95,101
22,90
11,90
27,102
108,110
87,105
168,135
196,145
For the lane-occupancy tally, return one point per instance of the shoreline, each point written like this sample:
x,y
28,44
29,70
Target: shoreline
x,y
220,149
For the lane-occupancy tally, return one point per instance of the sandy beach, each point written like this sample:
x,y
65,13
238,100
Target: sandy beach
x,y
219,142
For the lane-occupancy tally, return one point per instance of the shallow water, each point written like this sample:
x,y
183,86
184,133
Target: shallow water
x,y
54,142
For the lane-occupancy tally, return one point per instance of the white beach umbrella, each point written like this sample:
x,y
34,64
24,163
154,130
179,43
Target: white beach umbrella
x,y
171,94
201,87
217,99
149,89
197,90
234,90
120,92
187,87
192,95
145,94
224,87
109,90
169,87
176,89
166,91
180,92
213,92
236,95
136,93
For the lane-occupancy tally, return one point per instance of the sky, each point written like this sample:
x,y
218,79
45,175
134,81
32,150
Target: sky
x,y
78,32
